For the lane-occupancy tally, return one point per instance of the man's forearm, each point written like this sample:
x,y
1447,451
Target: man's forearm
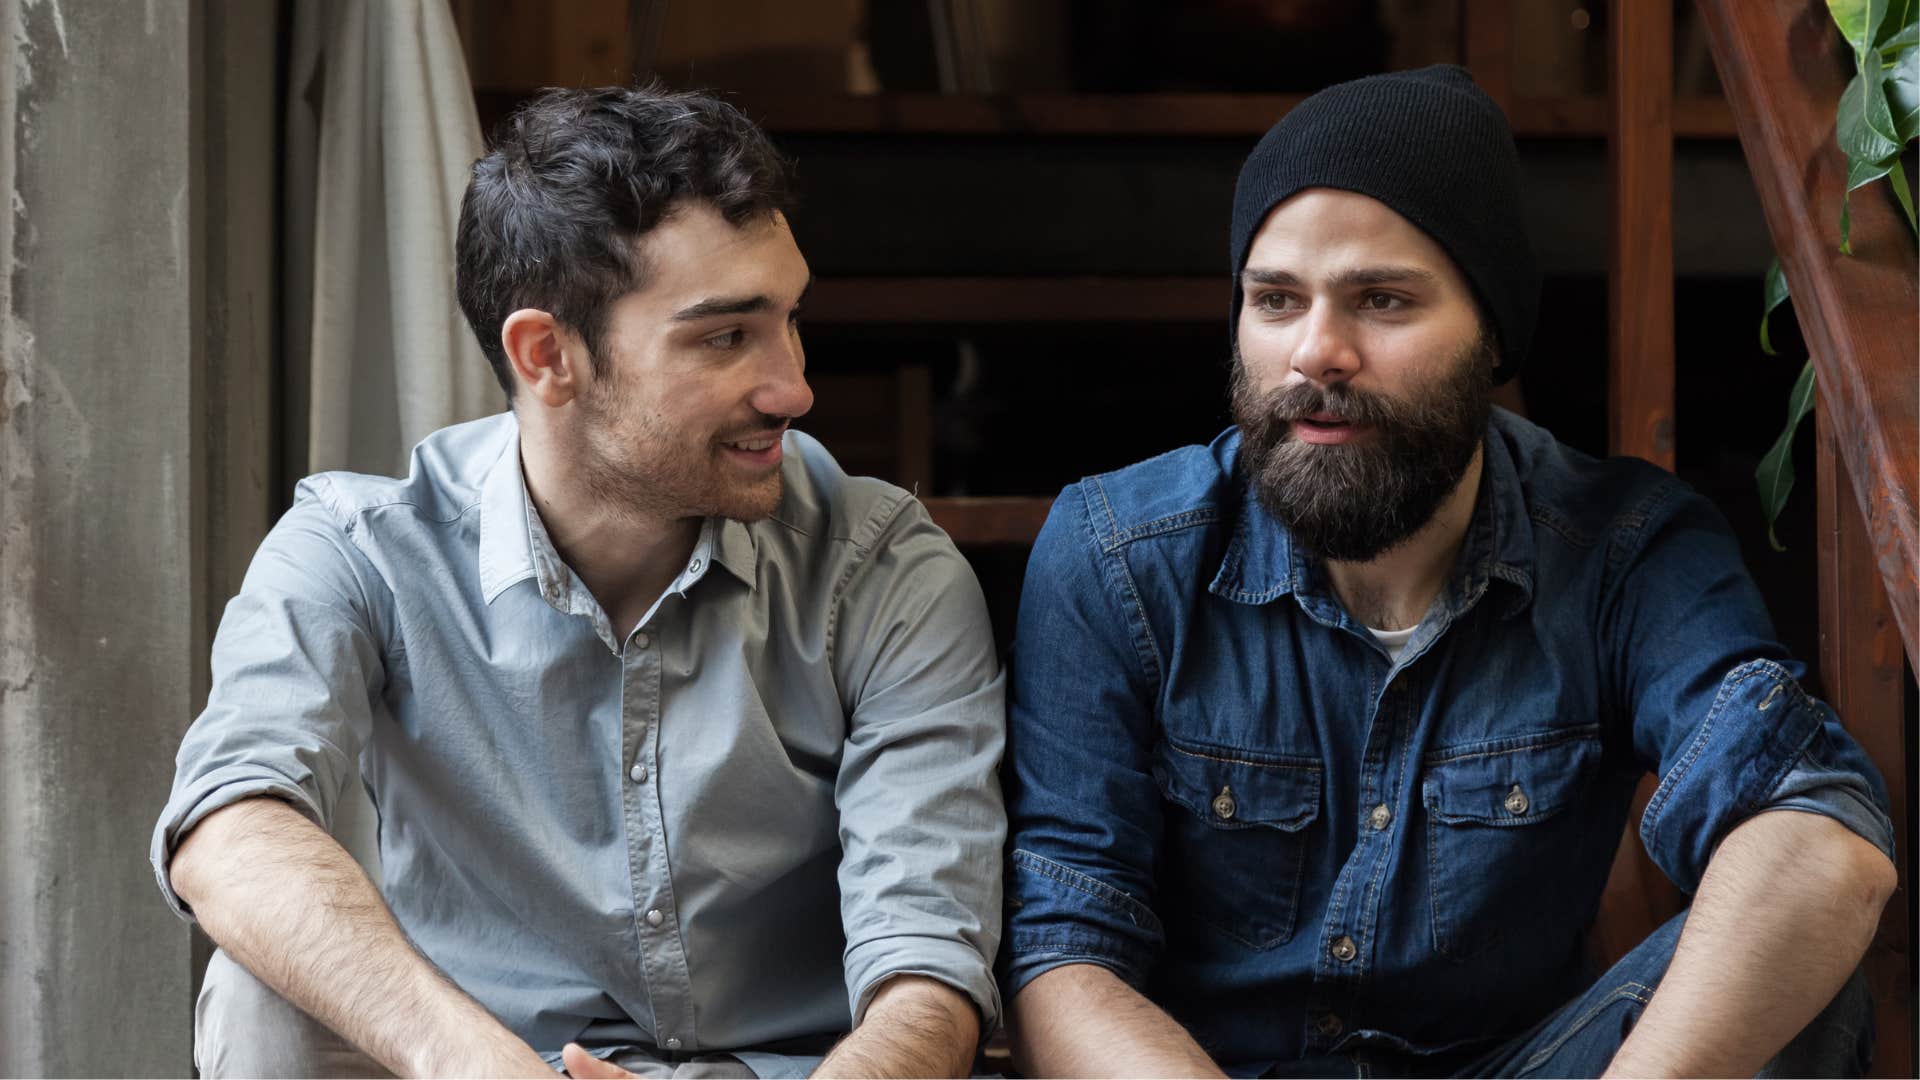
x,y
1083,1020
1786,909
290,905
914,1026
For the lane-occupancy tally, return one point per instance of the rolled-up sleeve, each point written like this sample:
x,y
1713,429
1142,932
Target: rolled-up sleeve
x,y
296,664
921,819
1084,811
1716,703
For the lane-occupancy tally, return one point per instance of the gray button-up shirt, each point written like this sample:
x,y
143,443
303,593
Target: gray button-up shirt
x,y
716,830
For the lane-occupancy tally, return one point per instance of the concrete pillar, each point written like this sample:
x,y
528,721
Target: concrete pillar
x,y
125,348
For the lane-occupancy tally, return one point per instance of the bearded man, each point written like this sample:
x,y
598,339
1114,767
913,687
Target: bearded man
x,y
682,740
1322,737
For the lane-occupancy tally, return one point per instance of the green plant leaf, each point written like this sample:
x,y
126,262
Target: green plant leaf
x,y
1903,98
1866,122
1907,37
1773,293
1846,223
1861,173
1898,178
1853,18
1899,19
1776,469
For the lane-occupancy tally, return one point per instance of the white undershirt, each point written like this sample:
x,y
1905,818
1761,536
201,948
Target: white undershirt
x,y
1394,640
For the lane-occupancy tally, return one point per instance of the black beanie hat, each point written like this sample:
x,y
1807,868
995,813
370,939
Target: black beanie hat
x,y
1431,146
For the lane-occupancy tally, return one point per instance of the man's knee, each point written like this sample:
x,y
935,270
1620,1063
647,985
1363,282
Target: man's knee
x,y
242,1028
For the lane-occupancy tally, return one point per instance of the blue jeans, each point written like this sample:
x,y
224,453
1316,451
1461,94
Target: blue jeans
x,y
1581,1037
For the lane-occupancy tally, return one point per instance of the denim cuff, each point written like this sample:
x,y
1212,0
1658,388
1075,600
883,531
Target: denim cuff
x,y
1058,915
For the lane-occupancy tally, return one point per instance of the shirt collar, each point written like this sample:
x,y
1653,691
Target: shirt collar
x,y
506,542
514,545
1262,563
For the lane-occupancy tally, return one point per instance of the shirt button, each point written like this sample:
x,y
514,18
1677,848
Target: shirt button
x,y
673,1043
1331,1026
642,641
1342,949
1381,817
638,773
654,918
1516,801
1223,804
694,567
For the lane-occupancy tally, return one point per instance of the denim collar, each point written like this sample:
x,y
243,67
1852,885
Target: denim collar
x,y
1263,563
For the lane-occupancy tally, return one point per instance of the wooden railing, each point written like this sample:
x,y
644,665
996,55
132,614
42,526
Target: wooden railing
x,y
1783,73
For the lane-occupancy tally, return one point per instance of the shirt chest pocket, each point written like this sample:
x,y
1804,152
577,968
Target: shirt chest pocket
x,y
1234,840
1505,840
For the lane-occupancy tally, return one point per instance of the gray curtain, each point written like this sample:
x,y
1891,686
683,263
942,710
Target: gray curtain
x,y
380,134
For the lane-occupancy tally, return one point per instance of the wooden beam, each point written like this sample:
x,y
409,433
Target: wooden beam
x,y
1858,313
1168,115
862,301
1011,521
1486,47
1640,263
1865,682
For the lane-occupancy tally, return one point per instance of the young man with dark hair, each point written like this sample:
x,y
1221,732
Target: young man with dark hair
x,y
682,740
1322,737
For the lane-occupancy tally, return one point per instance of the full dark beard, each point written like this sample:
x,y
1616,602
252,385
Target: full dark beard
x,y
1352,502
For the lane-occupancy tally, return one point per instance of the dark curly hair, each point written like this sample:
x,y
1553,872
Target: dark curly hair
x,y
574,178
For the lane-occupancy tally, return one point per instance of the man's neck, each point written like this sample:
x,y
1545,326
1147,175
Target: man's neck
x,y
1393,591
625,557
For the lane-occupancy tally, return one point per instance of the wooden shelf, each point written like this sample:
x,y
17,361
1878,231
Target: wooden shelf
x,y
1192,115
879,301
1000,521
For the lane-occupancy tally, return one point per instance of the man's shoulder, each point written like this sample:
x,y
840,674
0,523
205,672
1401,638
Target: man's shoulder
x,y
445,474
823,503
1583,500
1191,488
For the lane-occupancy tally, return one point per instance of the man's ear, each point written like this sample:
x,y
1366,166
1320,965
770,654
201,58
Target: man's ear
x,y
548,362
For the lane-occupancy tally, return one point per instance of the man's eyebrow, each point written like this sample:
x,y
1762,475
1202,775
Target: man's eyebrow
x,y
1358,276
723,305
1384,275
1252,276
731,305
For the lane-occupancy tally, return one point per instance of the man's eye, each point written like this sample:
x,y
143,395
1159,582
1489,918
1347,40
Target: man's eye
x,y
1276,302
1382,302
729,340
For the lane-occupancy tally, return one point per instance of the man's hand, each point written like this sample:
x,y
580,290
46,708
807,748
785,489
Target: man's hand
x,y
915,1026
581,1064
1786,909
1082,1020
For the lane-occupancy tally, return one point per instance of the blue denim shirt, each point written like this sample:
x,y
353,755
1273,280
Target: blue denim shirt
x,y
1222,788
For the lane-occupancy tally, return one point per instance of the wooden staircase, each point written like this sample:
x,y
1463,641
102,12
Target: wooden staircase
x,y
1783,75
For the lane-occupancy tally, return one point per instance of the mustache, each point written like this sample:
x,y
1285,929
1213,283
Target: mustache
x,y
1299,400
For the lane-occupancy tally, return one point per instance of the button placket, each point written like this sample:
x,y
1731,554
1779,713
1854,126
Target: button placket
x,y
662,962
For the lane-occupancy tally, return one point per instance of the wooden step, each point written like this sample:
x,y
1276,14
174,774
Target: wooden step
x,y
997,521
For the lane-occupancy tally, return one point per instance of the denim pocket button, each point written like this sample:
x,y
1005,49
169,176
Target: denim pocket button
x,y
1381,817
1343,949
1223,804
1516,801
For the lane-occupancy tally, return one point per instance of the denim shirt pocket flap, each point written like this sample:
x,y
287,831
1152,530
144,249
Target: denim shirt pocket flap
x,y
1512,781
1229,792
